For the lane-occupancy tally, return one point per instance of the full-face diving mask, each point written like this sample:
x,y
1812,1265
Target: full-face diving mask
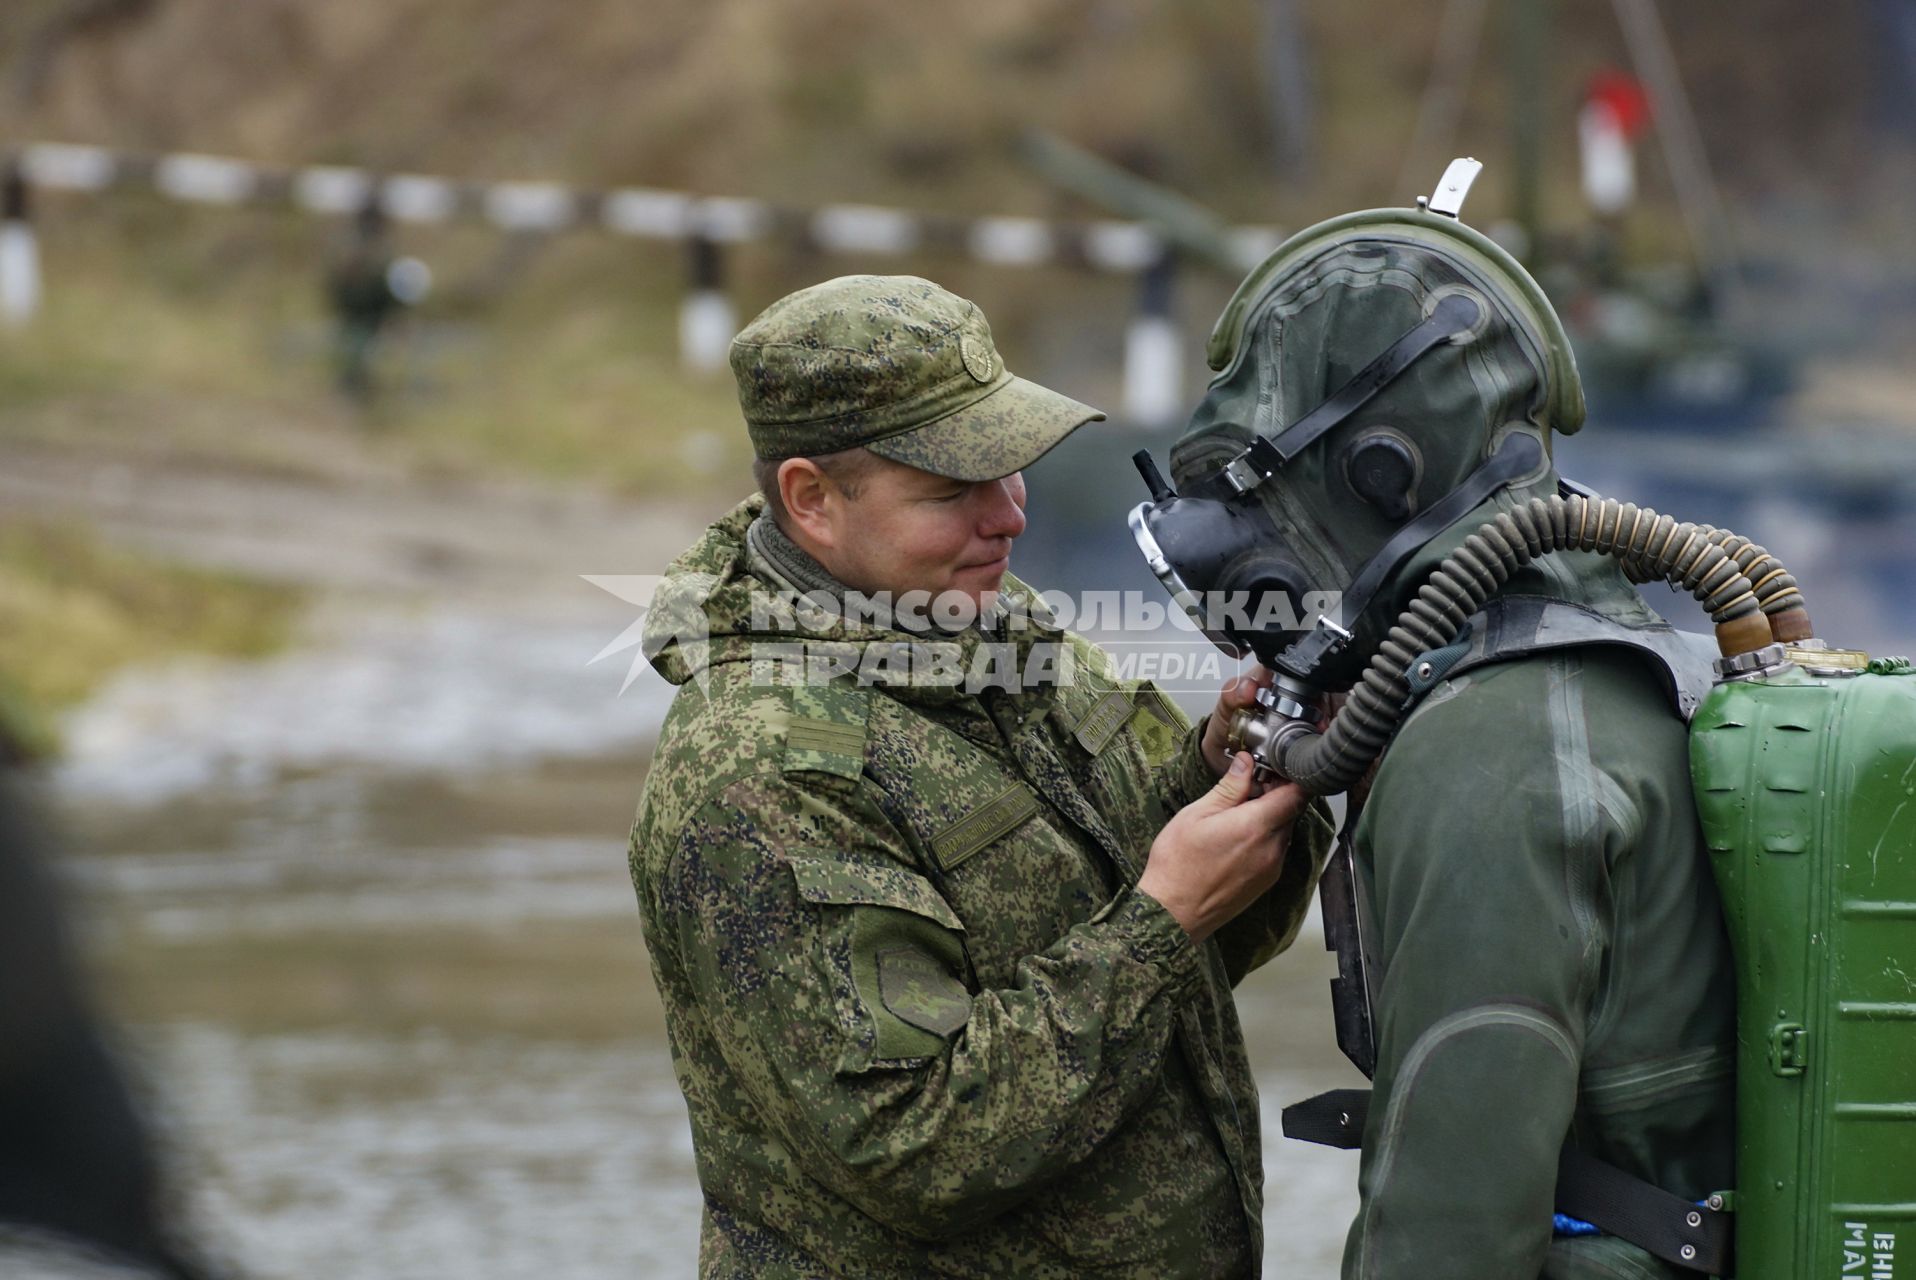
x,y
1381,377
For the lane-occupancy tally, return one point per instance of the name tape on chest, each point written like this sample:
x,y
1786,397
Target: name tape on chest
x,y
997,817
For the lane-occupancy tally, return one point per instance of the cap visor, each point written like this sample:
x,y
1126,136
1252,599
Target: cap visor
x,y
1006,431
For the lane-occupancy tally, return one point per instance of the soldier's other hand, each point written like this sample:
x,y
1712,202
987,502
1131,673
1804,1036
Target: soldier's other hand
x,y
1222,851
1239,692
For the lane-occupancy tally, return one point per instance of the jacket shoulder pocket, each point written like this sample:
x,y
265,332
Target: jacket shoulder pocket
x,y
904,948
834,882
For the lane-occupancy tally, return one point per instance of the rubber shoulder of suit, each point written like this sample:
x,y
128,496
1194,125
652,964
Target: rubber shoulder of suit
x,y
1471,736
1511,627
1492,721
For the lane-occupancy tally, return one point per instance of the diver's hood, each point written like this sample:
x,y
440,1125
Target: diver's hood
x,y
1384,379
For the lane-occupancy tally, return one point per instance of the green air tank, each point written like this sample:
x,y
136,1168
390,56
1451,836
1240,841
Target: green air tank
x,y
1806,786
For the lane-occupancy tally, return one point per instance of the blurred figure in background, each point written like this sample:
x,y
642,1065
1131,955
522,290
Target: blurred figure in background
x,y
360,287
76,1157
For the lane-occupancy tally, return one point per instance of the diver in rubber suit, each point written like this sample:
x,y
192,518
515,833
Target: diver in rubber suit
x,y
1548,960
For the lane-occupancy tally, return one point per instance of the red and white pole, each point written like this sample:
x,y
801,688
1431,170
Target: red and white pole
x,y
1615,111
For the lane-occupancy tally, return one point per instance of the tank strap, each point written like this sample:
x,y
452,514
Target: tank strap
x,y
1334,1118
1688,1235
1512,626
1695,1237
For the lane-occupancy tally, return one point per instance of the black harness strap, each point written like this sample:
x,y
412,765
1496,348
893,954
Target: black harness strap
x,y
1332,1119
1689,1235
1695,1237
1346,934
1517,456
1452,315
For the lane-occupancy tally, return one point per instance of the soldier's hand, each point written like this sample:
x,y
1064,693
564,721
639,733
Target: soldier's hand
x,y
1239,692
1221,851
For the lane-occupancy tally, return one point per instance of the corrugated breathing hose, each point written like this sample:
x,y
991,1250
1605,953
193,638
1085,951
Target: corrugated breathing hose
x,y
1775,589
1710,563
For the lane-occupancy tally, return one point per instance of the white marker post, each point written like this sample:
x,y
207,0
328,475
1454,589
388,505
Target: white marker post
x,y
1154,351
707,323
19,252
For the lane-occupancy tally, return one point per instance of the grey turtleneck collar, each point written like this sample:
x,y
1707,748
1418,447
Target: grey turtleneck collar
x,y
790,564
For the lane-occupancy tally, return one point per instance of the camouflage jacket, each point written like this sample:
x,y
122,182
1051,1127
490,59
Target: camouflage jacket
x,y
922,1025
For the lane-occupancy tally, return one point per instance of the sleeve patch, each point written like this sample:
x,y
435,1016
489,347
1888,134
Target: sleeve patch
x,y
918,989
1165,709
923,992
1160,740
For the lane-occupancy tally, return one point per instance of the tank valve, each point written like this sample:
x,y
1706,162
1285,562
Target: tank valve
x,y
1285,710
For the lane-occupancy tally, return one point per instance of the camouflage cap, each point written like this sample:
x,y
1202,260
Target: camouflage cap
x,y
898,365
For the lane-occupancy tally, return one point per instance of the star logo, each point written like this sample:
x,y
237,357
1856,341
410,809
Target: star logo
x,y
977,358
671,617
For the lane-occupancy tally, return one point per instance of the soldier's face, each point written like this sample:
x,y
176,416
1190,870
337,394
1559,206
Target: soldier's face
x,y
909,530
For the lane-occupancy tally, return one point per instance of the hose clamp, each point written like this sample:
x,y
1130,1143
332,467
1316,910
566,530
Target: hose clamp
x,y
1289,698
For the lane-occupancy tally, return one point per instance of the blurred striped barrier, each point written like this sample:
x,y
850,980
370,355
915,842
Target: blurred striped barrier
x,y
707,223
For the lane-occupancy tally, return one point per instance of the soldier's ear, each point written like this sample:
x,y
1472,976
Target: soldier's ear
x,y
807,495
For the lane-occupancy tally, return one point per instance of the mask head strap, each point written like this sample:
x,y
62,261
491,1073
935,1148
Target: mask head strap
x,y
1454,314
1518,456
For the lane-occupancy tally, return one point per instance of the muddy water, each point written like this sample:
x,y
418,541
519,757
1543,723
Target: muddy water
x,y
374,944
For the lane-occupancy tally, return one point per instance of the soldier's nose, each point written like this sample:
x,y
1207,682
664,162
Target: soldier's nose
x,y
1004,517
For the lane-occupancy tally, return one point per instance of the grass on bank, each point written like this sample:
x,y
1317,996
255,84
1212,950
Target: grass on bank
x,y
73,611
203,335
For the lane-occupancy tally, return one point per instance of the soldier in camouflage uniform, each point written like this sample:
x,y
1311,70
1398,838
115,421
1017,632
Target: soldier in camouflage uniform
x,y
947,968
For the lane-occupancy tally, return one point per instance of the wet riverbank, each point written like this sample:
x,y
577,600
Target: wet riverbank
x,y
401,1027
363,912
363,908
